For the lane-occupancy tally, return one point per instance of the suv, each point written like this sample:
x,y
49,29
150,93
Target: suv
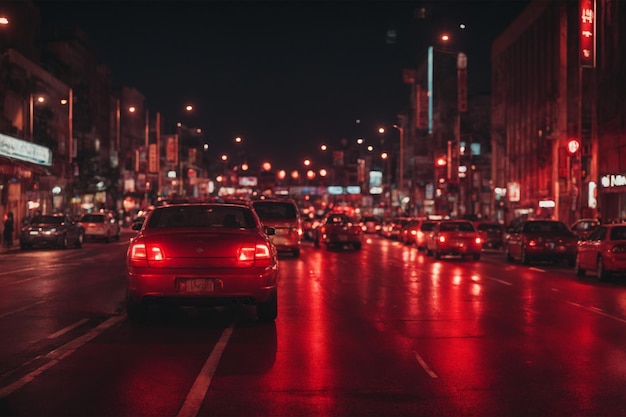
x,y
284,217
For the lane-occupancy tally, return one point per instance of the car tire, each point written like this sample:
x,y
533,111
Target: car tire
x,y
134,310
437,255
603,274
429,252
477,256
523,257
357,246
509,257
268,311
295,253
577,269
79,241
64,242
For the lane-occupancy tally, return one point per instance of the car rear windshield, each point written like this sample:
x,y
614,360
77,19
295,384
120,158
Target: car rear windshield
x,y
490,227
47,219
545,227
456,227
428,226
179,216
92,218
275,210
618,233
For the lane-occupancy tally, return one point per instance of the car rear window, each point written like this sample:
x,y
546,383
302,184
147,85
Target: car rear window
x,y
173,217
92,218
618,233
275,210
545,227
428,226
456,227
43,219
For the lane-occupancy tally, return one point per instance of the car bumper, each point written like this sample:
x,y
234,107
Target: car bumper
x,y
251,286
41,240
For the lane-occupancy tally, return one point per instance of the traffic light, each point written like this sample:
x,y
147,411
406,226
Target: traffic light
x,y
440,170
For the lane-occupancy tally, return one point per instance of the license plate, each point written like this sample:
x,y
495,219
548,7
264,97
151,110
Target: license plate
x,y
197,285
560,248
343,238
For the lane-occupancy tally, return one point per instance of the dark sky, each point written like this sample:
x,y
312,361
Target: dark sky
x,y
286,76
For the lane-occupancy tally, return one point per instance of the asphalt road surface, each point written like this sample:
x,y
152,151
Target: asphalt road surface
x,y
382,331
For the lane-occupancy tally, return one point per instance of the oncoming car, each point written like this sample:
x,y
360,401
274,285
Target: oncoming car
x,y
202,254
52,230
100,226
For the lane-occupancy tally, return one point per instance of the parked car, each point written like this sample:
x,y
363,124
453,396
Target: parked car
x,y
454,237
492,234
100,226
603,251
284,216
51,230
337,230
546,240
583,227
203,254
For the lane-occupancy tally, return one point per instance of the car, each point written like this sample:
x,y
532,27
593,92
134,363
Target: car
x,y
202,254
100,226
371,224
454,237
338,230
542,240
51,230
492,234
603,251
416,232
583,227
284,216
396,226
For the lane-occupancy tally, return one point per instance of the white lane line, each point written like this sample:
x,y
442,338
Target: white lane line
x,y
9,313
59,354
598,311
532,268
67,329
499,280
16,270
425,366
195,397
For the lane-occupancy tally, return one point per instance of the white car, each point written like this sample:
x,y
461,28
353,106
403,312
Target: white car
x,y
100,226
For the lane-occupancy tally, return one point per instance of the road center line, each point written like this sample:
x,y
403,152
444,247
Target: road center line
x,y
59,354
499,280
67,329
8,313
598,311
195,397
425,366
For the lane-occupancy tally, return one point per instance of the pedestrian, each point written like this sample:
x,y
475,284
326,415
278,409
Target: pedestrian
x,y
7,233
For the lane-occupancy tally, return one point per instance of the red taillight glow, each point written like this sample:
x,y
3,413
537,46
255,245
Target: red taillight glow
x,y
478,240
249,254
139,252
532,243
442,239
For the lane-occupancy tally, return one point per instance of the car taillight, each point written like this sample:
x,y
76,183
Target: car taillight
x,y
139,252
532,243
254,255
442,238
420,234
619,249
478,240
413,232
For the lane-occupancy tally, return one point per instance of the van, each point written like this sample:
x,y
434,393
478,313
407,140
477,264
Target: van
x,y
284,216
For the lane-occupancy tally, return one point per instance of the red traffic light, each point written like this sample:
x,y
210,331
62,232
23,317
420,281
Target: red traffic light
x,y
573,145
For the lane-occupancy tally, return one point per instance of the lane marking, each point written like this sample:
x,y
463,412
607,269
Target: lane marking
x,y
598,311
500,281
67,329
424,365
532,268
195,397
9,313
16,270
59,354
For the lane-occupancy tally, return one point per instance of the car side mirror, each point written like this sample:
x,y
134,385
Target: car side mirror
x,y
270,230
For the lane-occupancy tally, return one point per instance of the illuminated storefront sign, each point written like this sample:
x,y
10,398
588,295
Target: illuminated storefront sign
x,y
613,180
587,33
25,151
513,192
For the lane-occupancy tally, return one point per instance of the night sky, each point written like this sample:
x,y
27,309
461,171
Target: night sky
x,y
286,76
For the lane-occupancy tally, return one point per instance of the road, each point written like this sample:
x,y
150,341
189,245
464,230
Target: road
x,y
384,331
